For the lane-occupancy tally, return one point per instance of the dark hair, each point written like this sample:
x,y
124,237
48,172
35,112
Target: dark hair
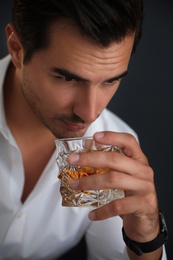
x,y
102,21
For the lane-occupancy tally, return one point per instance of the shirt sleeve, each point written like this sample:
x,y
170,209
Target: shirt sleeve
x,y
126,257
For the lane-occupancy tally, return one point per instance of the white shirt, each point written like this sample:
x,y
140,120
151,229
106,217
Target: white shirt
x,y
41,228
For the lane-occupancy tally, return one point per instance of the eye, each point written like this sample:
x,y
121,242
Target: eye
x,y
66,78
112,81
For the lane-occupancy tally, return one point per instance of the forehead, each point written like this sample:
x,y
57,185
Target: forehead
x,y
70,49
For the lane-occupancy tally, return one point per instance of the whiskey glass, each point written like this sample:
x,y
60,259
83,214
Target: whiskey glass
x,y
78,198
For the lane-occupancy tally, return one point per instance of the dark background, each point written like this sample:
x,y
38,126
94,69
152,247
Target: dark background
x,y
145,97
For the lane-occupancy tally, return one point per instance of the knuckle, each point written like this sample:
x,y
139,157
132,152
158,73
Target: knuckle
x,y
131,139
150,172
116,206
147,171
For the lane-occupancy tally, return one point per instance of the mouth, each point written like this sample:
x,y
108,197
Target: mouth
x,y
71,126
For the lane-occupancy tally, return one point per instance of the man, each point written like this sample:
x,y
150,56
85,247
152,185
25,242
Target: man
x,y
66,61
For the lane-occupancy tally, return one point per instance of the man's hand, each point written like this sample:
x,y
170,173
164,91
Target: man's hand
x,y
130,172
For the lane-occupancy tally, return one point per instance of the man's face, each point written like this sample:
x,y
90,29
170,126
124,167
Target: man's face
x,y
68,84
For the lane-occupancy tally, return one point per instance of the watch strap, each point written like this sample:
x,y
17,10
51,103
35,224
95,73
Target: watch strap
x,y
147,247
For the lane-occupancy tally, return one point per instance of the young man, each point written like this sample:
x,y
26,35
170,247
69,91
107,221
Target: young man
x,y
66,62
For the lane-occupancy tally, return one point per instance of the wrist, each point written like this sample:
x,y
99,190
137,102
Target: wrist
x,y
146,247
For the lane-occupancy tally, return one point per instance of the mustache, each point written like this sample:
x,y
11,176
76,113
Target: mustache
x,y
73,118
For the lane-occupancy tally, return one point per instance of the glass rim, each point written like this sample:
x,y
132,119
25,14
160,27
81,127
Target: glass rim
x,y
74,138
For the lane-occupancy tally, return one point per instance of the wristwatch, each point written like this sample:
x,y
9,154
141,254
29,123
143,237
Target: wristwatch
x,y
141,248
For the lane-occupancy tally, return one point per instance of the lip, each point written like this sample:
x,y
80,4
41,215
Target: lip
x,y
74,127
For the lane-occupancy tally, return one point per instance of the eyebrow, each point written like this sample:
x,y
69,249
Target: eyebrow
x,y
118,77
67,73
76,77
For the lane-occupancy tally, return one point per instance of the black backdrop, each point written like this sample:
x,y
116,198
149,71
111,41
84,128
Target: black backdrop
x,y
144,99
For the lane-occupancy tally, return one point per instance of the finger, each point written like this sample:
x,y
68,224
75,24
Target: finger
x,y
113,161
117,207
112,180
125,206
126,141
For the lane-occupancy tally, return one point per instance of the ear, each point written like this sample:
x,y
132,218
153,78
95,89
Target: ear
x,y
14,46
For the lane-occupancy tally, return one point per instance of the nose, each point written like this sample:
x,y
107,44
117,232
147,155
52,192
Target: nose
x,y
87,105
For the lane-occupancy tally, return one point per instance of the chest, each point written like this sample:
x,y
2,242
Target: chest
x,y
35,158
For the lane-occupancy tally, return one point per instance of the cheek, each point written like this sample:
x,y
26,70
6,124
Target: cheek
x,y
56,96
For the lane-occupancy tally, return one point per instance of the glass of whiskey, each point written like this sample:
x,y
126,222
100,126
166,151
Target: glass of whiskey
x,y
78,198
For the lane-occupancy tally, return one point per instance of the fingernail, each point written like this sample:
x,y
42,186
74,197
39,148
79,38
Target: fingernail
x,y
99,135
74,184
73,157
